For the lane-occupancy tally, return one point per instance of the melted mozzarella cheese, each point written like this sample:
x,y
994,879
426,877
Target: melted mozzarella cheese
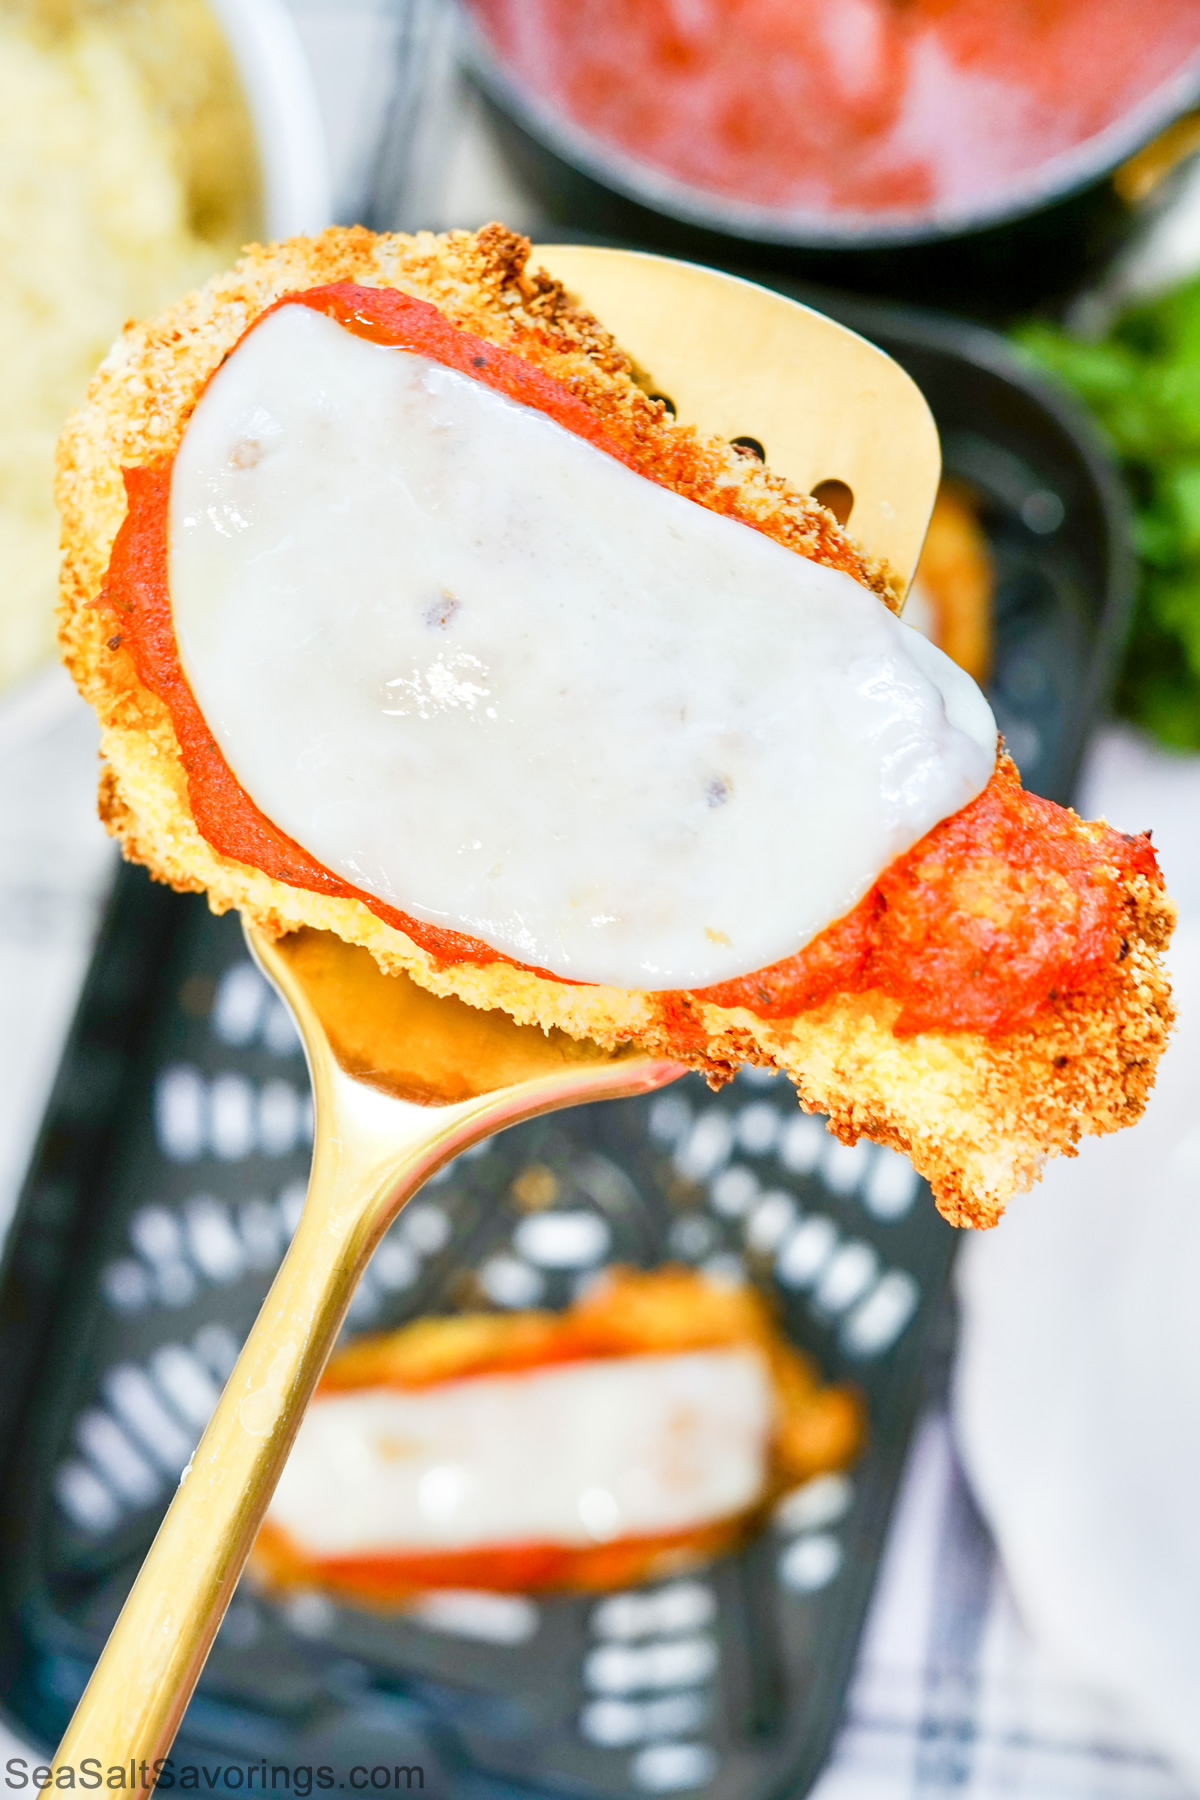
x,y
487,674
571,1454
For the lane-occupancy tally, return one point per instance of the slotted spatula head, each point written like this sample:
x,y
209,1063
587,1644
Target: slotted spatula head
x,y
834,415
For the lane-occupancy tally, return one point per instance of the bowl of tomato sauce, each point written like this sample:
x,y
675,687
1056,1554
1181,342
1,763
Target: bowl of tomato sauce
x,y
840,127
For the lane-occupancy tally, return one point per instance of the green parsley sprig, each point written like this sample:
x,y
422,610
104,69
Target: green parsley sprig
x,y
1142,383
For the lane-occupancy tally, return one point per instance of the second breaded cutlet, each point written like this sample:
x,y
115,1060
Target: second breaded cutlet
x,y
662,1312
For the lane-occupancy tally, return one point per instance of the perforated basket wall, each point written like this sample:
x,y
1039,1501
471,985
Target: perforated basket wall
x,y
715,1681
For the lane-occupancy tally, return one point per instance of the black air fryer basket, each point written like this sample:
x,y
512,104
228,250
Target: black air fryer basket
x,y
170,1172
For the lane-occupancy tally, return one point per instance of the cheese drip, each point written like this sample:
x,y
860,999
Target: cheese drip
x,y
489,675
571,1454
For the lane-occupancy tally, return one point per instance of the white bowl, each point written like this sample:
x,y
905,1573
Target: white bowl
x,y
279,90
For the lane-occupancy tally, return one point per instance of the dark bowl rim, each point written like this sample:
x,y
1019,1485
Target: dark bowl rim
x,y
1060,178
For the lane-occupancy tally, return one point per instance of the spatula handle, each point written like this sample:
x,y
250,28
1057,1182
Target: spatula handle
x,y
137,1695
372,1154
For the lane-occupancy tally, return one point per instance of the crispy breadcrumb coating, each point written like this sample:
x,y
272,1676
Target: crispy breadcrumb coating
x,y
977,1111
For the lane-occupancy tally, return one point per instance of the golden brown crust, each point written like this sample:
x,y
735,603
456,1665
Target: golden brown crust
x,y
976,1114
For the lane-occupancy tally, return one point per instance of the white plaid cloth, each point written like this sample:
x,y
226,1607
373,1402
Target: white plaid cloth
x,y
949,1695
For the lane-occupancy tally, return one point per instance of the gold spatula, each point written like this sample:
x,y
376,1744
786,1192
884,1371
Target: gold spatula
x,y
403,1081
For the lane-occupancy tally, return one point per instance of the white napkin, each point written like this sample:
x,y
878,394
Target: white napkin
x,y
1077,1398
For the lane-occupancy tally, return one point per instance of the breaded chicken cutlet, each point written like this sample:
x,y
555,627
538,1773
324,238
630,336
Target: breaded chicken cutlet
x,y
994,994
682,1397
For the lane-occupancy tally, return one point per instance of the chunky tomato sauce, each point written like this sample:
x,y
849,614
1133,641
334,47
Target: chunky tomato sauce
x,y
496,1568
828,106
996,912
545,1346
531,1341
993,914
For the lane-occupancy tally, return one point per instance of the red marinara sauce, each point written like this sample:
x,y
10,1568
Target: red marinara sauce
x,y
995,912
845,106
993,915
391,1577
